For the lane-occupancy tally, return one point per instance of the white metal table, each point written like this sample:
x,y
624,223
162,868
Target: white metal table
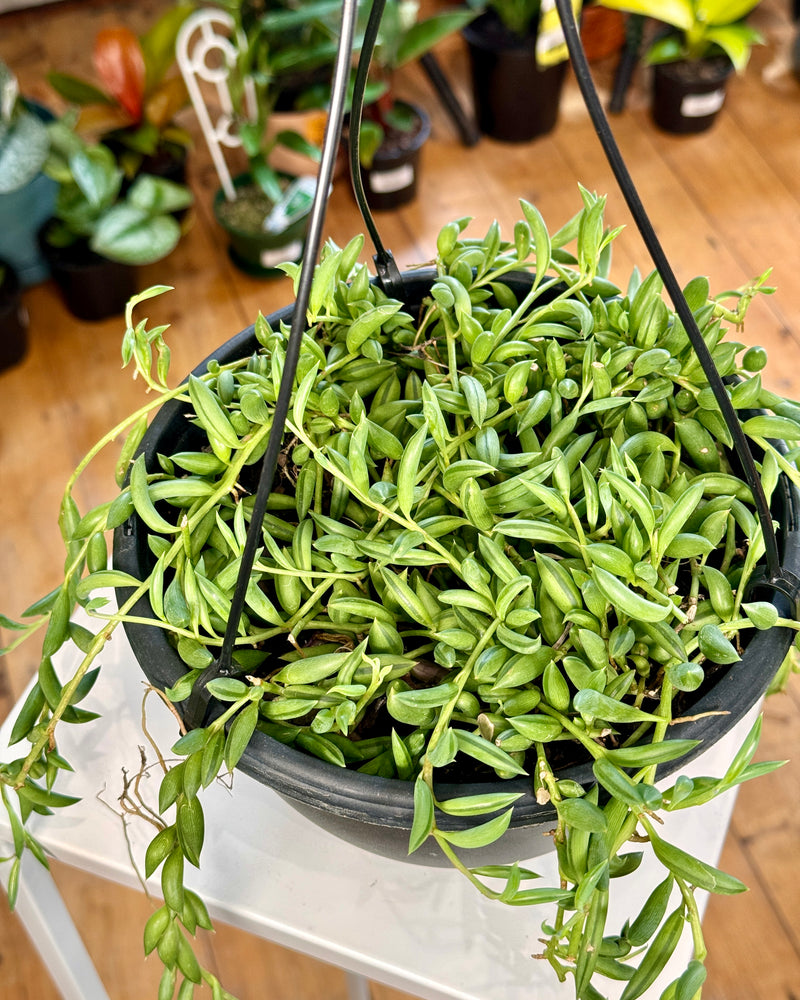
x,y
425,931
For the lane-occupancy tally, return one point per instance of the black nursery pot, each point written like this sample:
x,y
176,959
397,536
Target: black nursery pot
x,y
13,319
687,96
93,287
515,100
376,813
391,180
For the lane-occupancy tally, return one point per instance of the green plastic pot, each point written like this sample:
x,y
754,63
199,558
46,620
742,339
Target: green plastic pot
x,y
259,253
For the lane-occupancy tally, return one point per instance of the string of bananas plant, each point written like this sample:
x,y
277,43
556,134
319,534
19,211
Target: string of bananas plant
x,y
507,533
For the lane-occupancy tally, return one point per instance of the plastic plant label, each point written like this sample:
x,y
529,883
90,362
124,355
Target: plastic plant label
x,y
384,181
273,257
700,105
551,46
295,203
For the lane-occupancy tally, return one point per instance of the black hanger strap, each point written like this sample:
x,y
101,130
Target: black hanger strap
x,y
583,75
223,666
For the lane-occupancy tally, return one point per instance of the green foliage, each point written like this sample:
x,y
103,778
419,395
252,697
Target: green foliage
x,y
519,16
275,46
489,545
139,95
23,137
134,228
701,28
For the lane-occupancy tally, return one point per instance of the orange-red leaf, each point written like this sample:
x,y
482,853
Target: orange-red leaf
x,y
166,101
120,65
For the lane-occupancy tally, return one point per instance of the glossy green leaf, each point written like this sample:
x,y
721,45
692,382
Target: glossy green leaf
x,y
239,734
628,601
693,870
595,704
479,748
481,835
423,821
582,815
476,805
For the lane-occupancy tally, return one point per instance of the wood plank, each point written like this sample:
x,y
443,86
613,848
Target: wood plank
x,y
751,956
770,802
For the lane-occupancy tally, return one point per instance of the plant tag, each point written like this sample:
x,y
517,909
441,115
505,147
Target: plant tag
x,y
384,181
700,105
273,257
295,203
551,46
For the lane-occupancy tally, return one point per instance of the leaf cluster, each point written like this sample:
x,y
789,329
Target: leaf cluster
x,y
134,226
139,96
23,137
700,28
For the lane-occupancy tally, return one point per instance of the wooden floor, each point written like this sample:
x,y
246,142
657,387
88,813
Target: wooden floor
x,y
726,204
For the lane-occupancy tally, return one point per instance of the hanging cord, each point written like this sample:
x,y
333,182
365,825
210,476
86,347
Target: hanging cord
x,y
580,65
222,667
385,266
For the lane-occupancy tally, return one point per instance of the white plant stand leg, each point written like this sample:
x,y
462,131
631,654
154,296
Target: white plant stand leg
x,y
357,987
51,929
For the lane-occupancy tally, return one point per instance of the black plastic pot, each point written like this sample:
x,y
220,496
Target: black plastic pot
x,y
93,287
687,96
259,253
391,180
13,319
515,100
374,812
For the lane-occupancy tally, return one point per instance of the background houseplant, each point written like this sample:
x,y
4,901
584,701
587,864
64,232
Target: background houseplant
x,y
99,235
26,194
763,829
394,131
443,667
694,56
133,113
262,211
516,91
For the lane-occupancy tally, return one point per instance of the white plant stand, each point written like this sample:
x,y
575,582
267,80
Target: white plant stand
x,y
425,931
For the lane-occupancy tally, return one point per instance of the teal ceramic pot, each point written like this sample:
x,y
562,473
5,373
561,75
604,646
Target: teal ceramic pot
x,y
22,214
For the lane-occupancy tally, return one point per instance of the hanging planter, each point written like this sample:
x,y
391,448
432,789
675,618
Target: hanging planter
x,y
449,557
515,99
13,318
376,810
